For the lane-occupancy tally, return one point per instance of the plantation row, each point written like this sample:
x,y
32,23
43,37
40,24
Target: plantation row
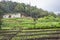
x,y
13,23
26,23
30,34
37,34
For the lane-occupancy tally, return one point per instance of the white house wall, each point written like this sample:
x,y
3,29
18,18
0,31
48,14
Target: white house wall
x,y
17,15
5,16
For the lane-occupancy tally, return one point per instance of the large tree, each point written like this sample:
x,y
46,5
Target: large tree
x,y
1,13
1,16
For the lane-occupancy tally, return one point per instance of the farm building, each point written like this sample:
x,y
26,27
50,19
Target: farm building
x,y
15,15
12,15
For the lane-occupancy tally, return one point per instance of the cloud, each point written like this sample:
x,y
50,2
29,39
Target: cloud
x,y
50,5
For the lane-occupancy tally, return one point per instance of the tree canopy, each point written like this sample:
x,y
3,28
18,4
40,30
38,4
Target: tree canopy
x,y
11,7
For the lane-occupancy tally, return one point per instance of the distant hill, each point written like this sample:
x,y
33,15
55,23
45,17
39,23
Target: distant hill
x,y
14,7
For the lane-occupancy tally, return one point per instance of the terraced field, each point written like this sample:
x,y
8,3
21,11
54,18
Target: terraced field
x,y
34,34
26,23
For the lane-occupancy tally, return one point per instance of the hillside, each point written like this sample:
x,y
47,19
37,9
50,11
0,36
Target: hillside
x,y
25,23
40,18
14,7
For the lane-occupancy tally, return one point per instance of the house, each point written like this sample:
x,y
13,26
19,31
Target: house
x,y
15,15
12,15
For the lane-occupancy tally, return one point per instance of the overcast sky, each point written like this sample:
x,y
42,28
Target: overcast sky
x,y
50,5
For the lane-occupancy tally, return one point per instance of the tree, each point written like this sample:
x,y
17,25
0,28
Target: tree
x,y
19,8
34,13
52,14
1,15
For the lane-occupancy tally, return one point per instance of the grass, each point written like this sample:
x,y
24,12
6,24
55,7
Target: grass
x,y
27,23
43,28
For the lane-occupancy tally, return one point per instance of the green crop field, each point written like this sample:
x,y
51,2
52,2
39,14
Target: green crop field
x,y
26,23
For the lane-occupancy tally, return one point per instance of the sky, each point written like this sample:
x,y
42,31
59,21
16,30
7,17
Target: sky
x,y
49,5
